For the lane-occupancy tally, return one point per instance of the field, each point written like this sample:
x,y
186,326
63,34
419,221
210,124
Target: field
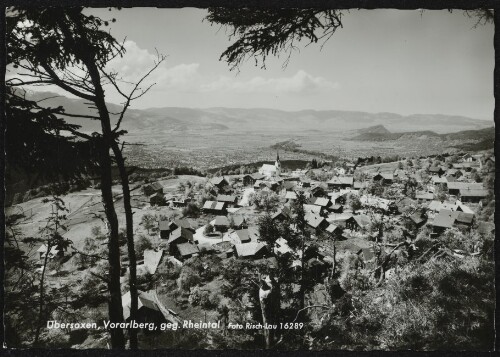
x,y
205,149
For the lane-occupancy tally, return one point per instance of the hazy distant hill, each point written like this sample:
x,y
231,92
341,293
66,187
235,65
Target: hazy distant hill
x,y
173,119
467,139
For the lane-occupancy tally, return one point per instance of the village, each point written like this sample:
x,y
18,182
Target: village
x,y
189,229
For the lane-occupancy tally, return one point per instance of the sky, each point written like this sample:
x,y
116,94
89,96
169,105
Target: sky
x,y
398,61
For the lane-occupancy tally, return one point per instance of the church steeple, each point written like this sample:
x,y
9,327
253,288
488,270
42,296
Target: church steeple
x,y
277,164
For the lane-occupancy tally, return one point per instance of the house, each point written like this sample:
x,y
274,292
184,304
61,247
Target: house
x,y
259,185
334,230
316,222
444,220
319,191
454,188
180,235
436,170
424,196
214,207
281,214
439,180
418,218
321,201
252,250
384,178
317,210
221,223
459,206
464,219
237,221
289,185
336,208
340,182
219,182
231,201
184,223
149,310
185,251
157,199
164,229
249,180
167,227
472,195
152,188
337,198
436,206
181,202
242,236
290,196
355,223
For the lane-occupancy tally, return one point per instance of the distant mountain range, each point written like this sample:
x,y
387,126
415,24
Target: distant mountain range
x,y
175,119
476,139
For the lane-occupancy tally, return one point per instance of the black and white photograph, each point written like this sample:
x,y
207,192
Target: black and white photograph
x,y
249,178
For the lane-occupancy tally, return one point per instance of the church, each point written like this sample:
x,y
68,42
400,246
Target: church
x,y
272,171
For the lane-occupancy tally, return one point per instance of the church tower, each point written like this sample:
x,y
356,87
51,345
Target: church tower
x,y
277,164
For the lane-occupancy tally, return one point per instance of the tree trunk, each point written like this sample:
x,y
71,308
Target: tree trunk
x,y
264,296
115,308
41,297
120,161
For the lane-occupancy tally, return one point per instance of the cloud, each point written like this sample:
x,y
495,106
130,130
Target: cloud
x,y
187,77
137,61
300,83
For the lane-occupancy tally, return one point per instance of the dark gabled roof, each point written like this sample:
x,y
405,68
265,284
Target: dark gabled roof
x,y
466,218
332,228
346,180
238,219
249,249
321,201
289,185
155,186
465,186
473,193
187,249
445,218
226,198
217,180
183,222
180,233
314,221
214,205
221,221
361,220
243,235
418,218
257,176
